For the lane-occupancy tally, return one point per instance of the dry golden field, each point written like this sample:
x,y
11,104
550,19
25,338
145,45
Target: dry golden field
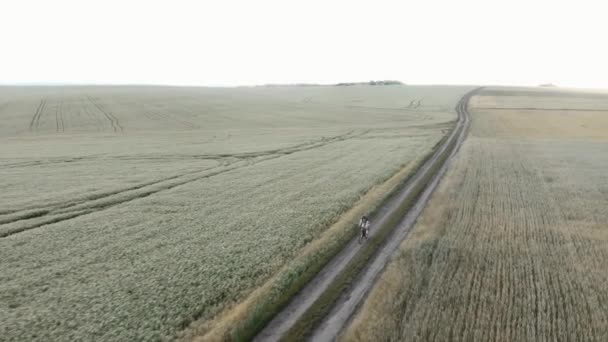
x,y
513,245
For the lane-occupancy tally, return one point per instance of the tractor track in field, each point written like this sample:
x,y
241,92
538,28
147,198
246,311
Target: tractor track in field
x,y
38,211
43,217
57,118
113,119
97,120
35,123
61,116
213,156
31,217
350,297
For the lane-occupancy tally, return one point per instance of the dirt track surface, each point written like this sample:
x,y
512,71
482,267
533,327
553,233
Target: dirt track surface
x,y
349,301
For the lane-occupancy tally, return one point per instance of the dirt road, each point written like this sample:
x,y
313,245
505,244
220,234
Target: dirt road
x,y
350,300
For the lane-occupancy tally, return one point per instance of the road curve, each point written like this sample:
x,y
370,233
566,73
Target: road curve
x,y
345,307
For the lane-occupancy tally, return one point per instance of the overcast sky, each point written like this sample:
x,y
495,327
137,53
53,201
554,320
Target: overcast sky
x,y
229,42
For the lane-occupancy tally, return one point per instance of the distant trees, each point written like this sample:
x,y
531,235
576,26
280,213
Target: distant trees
x,y
373,83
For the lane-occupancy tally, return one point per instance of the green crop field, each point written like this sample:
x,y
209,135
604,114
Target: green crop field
x,y
513,245
131,213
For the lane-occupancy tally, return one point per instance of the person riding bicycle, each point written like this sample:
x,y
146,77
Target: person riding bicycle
x,y
364,224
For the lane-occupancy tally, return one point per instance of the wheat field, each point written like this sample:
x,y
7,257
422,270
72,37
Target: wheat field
x,y
129,213
512,246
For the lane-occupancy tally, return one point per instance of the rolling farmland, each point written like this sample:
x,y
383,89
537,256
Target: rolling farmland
x,y
143,213
512,246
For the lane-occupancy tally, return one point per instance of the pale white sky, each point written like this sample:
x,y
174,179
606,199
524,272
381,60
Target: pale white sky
x,y
230,42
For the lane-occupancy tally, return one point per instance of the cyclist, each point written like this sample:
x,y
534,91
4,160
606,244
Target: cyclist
x,y
364,224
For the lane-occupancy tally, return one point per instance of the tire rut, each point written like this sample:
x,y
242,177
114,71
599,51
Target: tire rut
x,y
93,114
57,118
61,116
35,217
70,211
35,122
113,119
283,151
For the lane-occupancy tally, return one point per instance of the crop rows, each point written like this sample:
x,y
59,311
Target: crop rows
x,y
511,247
